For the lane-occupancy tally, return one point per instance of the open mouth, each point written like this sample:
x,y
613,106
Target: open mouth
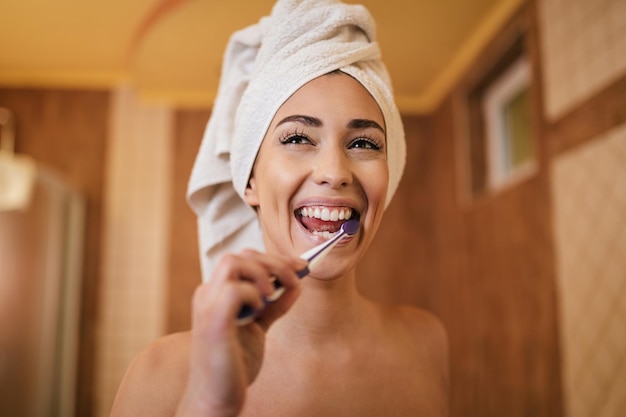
x,y
324,221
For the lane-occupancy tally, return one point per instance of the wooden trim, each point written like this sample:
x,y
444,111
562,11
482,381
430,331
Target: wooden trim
x,y
598,114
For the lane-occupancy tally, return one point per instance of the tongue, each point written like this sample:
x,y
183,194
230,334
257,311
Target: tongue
x,y
318,225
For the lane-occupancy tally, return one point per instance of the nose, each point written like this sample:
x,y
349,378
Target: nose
x,y
332,167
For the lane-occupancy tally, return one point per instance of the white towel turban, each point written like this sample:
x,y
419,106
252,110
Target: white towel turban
x,y
264,65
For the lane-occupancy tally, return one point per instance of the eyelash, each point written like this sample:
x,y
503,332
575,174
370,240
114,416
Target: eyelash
x,y
370,143
288,138
291,137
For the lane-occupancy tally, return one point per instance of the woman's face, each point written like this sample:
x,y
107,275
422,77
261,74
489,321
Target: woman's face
x,y
322,161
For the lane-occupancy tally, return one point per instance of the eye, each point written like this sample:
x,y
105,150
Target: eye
x,y
365,143
295,138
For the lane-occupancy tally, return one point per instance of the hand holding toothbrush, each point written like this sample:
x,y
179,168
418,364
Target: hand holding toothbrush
x,y
207,371
253,289
226,358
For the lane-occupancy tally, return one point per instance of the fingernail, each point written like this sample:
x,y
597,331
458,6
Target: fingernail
x,y
276,294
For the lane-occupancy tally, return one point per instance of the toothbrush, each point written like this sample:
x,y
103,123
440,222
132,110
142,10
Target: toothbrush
x,y
313,256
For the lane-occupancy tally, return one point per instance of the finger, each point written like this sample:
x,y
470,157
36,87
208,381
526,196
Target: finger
x,y
247,314
238,267
260,269
215,305
281,268
277,309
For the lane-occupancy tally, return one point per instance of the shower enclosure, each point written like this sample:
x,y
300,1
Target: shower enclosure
x,y
40,276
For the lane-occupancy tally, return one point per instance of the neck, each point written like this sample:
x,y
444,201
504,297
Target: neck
x,y
326,311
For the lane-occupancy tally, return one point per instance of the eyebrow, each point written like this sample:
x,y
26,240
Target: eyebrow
x,y
315,122
364,124
299,118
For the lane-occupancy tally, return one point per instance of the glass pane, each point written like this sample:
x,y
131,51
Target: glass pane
x,y
518,140
40,261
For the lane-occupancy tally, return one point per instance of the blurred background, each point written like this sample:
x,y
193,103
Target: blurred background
x,y
509,222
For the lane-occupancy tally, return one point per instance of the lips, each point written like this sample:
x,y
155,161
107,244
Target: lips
x,y
324,219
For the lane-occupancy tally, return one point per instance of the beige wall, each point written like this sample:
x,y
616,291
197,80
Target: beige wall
x,y
583,44
135,246
590,232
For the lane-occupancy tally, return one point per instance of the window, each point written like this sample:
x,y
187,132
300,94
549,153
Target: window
x,y
506,109
499,145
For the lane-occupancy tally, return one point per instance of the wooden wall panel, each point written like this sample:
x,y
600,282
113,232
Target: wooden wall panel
x,y
485,267
404,232
66,131
184,274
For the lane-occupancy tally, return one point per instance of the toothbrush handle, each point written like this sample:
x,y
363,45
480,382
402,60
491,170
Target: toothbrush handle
x,y
247,313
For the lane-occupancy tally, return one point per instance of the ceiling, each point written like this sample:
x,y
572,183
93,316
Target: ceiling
x,y
171,50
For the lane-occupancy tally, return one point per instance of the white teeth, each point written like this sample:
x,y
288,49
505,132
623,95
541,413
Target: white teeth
x,y
324,234
326,213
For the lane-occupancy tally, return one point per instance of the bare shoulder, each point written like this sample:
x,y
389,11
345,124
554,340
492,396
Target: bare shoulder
x,y
423,325
155,380
420,341
426,332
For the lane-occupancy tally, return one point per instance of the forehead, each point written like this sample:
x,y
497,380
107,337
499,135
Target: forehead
x,y
332,96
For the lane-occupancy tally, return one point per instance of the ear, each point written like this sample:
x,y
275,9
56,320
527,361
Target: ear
x,y
251,196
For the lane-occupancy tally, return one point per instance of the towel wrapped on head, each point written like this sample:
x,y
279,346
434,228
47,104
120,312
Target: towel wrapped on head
x,y
264,65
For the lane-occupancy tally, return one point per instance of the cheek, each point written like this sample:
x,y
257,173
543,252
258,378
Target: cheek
x,y
275,180
375,182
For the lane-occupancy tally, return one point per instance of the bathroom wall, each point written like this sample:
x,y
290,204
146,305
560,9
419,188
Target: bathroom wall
x,y
135,245
184,266
590,231
530,280
66,131
583,45
484,264
114,151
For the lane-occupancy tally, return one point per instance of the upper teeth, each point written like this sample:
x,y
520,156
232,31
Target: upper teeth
x,y
326,213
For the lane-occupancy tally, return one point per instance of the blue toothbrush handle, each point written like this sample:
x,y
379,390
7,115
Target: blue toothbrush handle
x,y
247,314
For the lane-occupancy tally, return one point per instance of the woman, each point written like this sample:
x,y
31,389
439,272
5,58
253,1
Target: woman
x,y
331,149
